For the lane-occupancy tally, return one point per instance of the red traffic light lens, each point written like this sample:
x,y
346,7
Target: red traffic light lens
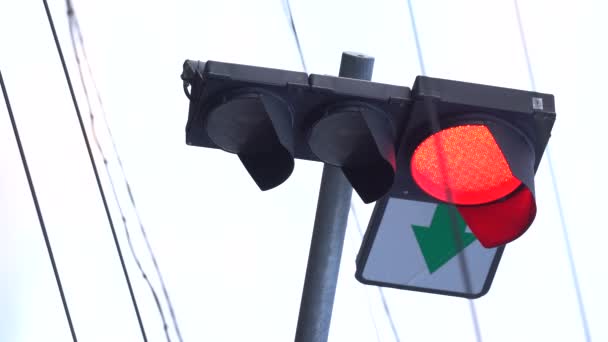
x,y
463,165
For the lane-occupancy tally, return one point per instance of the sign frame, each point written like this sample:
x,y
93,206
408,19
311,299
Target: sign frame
x,y
368,240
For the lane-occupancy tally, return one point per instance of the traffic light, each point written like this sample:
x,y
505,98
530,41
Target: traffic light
x,y
268,117
474,146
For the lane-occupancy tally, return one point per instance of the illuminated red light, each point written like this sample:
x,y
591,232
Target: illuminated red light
x,y
463,165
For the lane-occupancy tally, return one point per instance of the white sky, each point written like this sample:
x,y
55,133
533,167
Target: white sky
x,y
233,257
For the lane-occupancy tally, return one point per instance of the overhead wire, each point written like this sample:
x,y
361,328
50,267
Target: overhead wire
x,y
435,127
356,243
78,41
416,37
45,234
294,31
572,265
94,168
380,290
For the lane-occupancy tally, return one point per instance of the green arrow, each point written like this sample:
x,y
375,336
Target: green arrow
x,y
437,242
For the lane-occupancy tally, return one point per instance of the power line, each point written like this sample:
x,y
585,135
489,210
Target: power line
x,y
356,241
94,167
121,212
45,235
295,33
416,38
352,208
382,296
302,60
75,31
434,120
579,297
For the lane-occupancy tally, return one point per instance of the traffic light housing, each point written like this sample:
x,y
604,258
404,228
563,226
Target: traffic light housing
x,y
268,117
474,146
477,147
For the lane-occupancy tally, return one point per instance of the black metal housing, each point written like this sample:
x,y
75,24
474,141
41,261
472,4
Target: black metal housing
x,y
308,97
505,111
307,100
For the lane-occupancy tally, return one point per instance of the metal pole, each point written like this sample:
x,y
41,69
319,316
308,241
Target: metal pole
x,y
328,233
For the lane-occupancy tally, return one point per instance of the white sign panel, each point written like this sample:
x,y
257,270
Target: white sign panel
x,y
424,247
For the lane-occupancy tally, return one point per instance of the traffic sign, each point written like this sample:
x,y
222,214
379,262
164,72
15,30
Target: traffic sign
x,y
422,246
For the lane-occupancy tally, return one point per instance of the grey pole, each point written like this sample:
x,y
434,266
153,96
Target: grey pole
x,y
328,232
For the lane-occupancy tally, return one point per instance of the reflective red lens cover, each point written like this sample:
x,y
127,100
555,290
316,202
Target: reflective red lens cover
x,y
463,165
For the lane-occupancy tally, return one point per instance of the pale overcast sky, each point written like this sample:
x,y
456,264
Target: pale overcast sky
x,y
233,257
